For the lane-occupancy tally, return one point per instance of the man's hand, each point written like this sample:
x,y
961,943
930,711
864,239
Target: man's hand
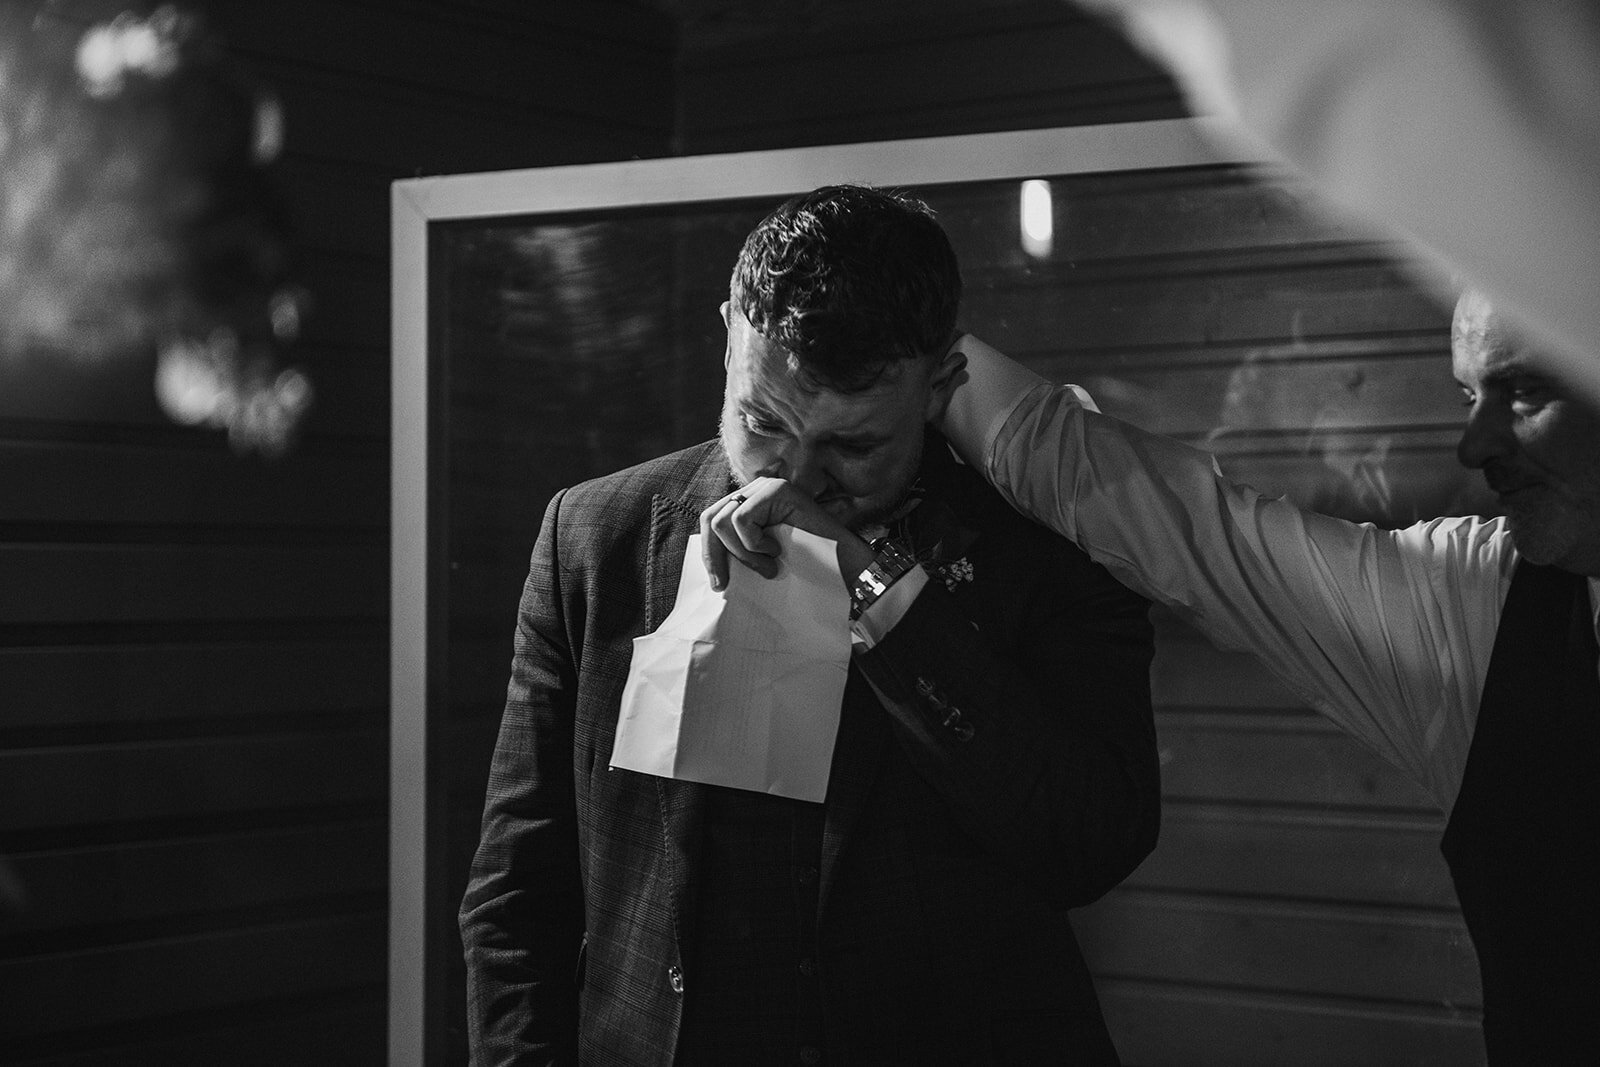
x,y
738,525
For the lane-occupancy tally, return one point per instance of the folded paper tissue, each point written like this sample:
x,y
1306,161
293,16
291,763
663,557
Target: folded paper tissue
x,y
744,687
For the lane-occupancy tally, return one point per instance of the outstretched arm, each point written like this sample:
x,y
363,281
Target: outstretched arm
x,y
1388,633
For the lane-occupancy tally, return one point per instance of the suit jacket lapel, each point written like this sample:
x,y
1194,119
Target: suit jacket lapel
x,y
672,520
865,733
864,730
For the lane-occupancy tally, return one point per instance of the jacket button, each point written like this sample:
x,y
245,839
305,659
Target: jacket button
x,y
952,720
675,979
958,726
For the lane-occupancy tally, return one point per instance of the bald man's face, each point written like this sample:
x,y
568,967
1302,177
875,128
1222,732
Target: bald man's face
x,y
1536,441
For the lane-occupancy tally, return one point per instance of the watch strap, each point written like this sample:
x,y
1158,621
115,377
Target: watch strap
x,y
890,562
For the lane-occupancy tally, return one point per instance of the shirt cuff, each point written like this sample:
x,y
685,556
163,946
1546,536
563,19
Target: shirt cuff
x,y
879,618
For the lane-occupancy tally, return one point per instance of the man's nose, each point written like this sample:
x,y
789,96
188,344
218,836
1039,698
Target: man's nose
x,y
1486,436
803,468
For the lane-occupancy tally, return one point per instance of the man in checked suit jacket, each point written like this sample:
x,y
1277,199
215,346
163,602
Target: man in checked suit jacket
x,y
995,760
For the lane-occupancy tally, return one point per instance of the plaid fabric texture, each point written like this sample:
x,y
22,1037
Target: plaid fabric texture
x,y
995,767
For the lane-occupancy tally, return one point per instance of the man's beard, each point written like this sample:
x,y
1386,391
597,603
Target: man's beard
x,y
1543,531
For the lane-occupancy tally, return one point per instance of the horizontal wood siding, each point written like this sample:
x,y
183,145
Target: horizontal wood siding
x,y
1200,1027
1296,908
193,645
769,77
1297,893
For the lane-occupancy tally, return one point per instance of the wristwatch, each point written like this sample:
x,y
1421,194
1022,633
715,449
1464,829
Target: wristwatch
x,y
889,564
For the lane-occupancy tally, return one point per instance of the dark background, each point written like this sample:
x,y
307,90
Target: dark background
x,y
193,645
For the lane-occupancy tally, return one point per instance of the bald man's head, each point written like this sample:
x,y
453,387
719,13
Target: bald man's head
x,y
1536,441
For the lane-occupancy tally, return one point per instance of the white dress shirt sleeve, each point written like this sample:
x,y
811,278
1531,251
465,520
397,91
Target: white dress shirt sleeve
x,y
882,614
1386,632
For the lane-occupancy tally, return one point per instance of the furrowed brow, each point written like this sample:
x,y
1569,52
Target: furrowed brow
x,y
1515,374
861,440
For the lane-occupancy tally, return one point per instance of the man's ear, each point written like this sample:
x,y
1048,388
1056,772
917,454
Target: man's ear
x,y
948,373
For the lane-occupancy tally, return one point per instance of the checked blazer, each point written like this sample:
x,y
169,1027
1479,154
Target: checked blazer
x,y
995,766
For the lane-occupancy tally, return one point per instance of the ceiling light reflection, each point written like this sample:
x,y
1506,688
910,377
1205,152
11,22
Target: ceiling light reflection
x,y
1038,219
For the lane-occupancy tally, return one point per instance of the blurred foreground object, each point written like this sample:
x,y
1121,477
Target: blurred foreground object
x,y
137,211
1470,126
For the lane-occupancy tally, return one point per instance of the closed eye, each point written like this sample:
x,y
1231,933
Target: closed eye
x,y
758,424
1529,394
1522,387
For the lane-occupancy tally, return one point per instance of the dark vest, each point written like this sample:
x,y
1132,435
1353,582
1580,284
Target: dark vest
x,y
1523,841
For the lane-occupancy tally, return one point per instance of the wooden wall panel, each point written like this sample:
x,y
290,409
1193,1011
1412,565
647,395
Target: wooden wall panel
x,y
193,644
47,993
426,87
64,787
140,881
1275,390
1203,211
293,672
1287,758
770,78
341,1028
223,670
1248,302
40,391
1296,908
66,582
1297,895
1183,939
89,481
1224,1028
1367,857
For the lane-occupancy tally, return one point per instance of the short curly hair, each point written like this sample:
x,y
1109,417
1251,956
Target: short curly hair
x,y
850,280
